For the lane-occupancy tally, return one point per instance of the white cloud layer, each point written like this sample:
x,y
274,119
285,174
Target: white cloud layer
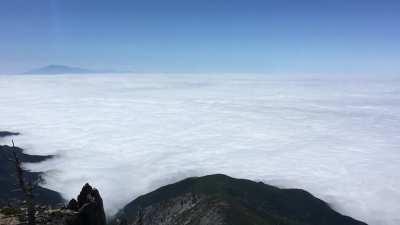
x,y
337,138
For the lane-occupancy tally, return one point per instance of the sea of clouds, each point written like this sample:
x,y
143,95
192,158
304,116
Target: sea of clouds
x,y
338,138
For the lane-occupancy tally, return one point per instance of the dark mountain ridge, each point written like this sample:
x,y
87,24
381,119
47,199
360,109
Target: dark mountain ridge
x,y
219,199
7,133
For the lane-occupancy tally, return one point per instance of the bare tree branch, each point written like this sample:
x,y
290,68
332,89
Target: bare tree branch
x,y
25,187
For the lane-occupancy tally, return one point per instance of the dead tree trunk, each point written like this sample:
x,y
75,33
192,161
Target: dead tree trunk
x,y
26,187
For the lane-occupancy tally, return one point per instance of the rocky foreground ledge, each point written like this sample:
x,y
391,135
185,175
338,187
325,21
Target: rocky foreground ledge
x,y
86,210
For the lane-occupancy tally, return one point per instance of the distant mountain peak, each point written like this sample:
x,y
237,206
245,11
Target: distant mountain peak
x,y
59,69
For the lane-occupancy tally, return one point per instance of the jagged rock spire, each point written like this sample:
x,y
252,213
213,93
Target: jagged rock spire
x,y
89,207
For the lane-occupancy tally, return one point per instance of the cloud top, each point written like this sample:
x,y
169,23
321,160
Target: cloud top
x,y
337,138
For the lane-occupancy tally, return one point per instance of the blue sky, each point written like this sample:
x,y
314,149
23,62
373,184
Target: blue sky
x,y
328,37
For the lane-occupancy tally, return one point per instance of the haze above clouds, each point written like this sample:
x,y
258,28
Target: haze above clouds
x,y
128,134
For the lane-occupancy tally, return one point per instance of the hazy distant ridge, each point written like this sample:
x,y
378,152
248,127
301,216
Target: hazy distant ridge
x,y
59,69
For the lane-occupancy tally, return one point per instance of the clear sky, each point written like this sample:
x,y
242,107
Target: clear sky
x,y
329,37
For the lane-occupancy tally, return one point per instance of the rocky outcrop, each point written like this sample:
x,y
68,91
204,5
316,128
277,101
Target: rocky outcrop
x,y
87,210
222,200
88,207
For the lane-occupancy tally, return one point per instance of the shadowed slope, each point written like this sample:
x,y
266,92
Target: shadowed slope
x,y
9,191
